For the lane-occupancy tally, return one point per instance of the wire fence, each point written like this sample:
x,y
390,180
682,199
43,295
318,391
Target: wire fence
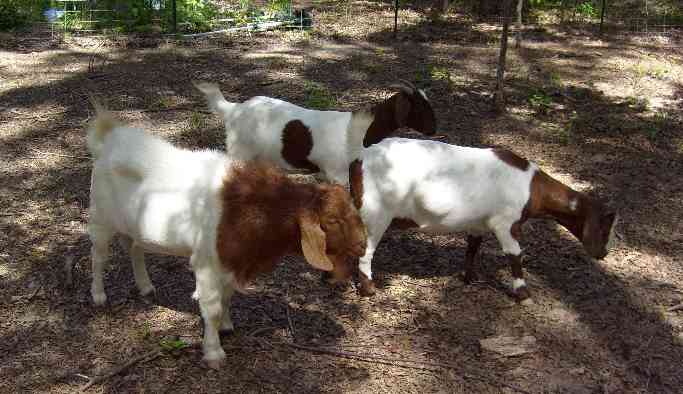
x,y
200,18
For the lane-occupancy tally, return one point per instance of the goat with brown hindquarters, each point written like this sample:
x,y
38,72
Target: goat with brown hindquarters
x,y
304,140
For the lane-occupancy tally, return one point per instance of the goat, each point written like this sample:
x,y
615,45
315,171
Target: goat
x,y
233,219
446,188
300,139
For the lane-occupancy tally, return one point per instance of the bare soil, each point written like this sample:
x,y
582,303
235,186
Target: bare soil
x,y
601,114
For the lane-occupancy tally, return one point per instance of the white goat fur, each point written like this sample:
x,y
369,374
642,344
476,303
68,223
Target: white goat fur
x,y
166,200
254,129
452,189
446,188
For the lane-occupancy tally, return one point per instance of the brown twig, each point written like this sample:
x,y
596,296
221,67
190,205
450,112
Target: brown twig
x,y
259,330
177,109
35,293
675,308
57,154
68,270
404,363
292,333
100,378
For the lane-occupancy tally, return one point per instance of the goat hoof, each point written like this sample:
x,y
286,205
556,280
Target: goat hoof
x,y
470,278
367,286
147,290
523,296
99,299
215,359
326,278
226,328
226,332
215,364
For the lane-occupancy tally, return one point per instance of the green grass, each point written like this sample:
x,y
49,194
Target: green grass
x,y
540,101
162,102
171,345
196,121
318,97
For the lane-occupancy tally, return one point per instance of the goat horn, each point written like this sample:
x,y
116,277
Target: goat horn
x,y
402,87
408,83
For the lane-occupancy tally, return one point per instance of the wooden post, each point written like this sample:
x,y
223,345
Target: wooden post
x,y
499,94
395,18
175,17
602,14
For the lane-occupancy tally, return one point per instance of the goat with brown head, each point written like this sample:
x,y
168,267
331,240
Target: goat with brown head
x,y
407,108
267,215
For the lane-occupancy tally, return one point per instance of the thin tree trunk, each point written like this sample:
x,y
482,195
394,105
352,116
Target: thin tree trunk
x,y
444,7
499,95
602,14
518,36
395,19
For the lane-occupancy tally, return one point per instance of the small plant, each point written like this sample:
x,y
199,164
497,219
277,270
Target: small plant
x,y
658,72
278,63
173,345
146,330
372,67
439,73
276,7
196,121
564,136
660,120
556,80
12,15
679,145
540,101
162,102
638,72
587,10
317,96
425,75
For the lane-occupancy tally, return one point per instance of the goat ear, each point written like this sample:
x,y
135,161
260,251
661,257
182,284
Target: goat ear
x,y
313,242
402,109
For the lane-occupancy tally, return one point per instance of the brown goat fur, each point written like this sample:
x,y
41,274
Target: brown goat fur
x,y
266,214
588,219
400,110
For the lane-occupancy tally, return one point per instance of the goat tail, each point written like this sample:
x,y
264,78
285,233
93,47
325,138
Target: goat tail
x,y
99,127
214,96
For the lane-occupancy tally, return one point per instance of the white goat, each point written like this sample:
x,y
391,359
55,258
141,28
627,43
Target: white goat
x,y
297,138
442,188
233,219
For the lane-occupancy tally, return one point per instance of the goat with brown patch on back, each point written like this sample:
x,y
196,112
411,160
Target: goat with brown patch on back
x,y
233,219
446,188
305,140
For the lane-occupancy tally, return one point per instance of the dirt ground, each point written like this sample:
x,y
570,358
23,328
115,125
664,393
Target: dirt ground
x,y
601,114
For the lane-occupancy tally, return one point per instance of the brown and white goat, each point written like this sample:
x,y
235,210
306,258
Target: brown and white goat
x,y
233,219
442,188
305,140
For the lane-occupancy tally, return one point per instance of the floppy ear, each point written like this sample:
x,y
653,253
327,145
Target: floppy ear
x,y
402,109
313,242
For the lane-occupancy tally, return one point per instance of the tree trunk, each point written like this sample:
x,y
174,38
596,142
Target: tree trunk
x,y
499,95
518,36
395,19
602,14
444,7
